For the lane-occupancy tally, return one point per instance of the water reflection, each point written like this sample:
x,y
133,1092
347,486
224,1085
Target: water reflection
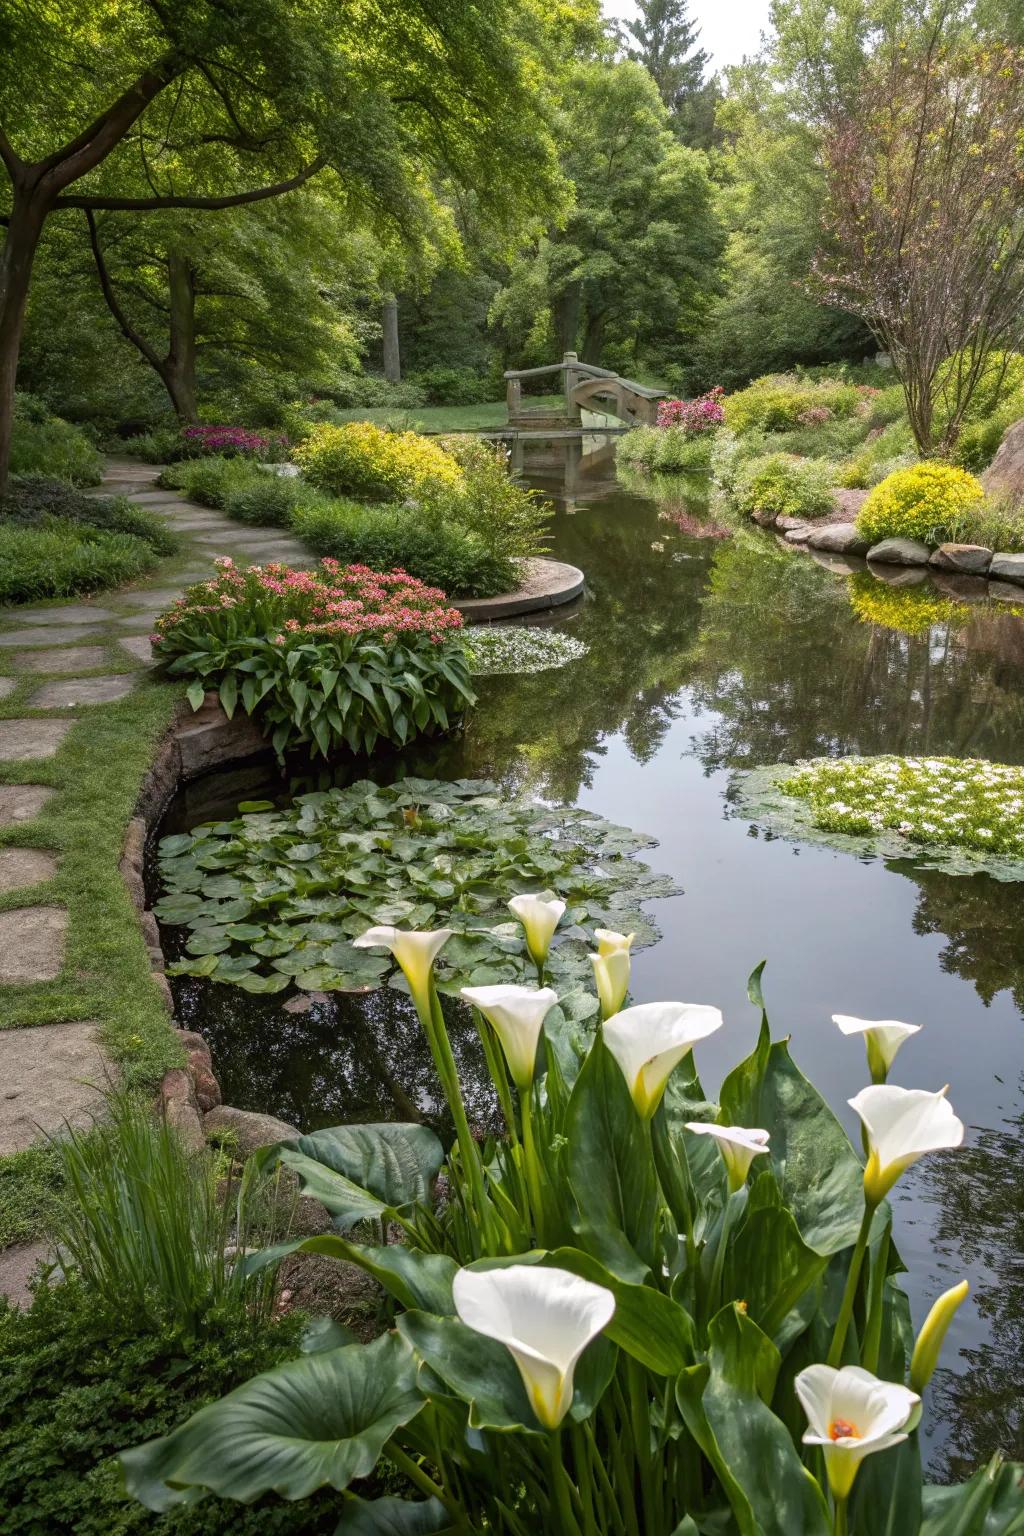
x,y
706,655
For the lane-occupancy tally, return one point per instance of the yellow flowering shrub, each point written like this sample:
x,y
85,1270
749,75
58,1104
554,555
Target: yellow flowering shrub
x,y
372,464
922,502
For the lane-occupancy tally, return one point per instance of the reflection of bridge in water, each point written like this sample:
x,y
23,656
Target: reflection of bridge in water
x,y
580,466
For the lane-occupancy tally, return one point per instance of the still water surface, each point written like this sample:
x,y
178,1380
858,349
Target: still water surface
x,y
708,655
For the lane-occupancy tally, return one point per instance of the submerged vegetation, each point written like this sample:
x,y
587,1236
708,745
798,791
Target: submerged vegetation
x,y
502,648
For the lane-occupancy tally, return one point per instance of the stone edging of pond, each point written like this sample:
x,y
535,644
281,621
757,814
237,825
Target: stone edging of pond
x,y
1001,572
196,742
548,584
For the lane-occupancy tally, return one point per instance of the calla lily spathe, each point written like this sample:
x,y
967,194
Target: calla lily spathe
x,y
539,918
882,1039
415,953
516,1014
851,1414
737,1145
929,1341
902,1124
650,1040
609,942
611,977
544,1317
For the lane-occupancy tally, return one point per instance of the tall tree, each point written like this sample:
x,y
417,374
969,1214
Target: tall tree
x,y
664,41
148,105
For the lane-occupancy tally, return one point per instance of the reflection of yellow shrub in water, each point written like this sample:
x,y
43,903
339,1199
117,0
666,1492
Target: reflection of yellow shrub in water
x,y
911,610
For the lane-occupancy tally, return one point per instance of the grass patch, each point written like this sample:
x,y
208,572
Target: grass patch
x,y
445,418
31,1184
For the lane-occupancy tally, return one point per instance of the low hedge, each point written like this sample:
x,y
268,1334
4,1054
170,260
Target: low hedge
x,y
32,499
52,447
60,558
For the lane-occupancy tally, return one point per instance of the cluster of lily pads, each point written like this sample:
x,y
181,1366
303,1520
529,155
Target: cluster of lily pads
x,y
636,1311
501,648
275,898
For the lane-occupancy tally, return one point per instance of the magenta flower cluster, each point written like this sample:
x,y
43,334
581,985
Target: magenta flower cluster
x,y
704,414
233,440
282,603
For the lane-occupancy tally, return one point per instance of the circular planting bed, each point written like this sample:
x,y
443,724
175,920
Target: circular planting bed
x,y
548,584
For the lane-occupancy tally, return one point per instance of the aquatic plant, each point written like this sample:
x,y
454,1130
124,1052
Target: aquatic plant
x,y
501,648
338,657
275,898
613,1321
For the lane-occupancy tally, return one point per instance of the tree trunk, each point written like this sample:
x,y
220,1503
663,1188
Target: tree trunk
x,y
392,356
567,318
593,339
20,246
179,369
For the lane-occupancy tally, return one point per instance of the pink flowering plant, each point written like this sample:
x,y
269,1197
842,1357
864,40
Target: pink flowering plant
x,y
696,417
339,656
234,442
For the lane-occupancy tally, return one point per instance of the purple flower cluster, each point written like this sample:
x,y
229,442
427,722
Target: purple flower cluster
x,y
233,440
694,416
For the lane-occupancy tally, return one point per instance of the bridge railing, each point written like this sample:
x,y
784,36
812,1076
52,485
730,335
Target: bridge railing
x,y
630,401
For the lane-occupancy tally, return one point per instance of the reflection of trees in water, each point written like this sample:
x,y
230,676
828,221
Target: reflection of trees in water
x,y
980,1196
360,1058
790,671
982,921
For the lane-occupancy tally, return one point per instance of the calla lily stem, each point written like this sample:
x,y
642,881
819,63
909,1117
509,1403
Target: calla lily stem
x,y
835,1354
532,1166
840,1519
873,1331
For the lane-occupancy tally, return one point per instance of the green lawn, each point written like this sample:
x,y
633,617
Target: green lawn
x,y
445,418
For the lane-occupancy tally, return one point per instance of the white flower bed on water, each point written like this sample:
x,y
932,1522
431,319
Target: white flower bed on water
x,y
508,648
966,803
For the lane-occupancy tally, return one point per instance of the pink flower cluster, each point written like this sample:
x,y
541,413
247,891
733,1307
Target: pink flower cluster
x,y
814,416
279,602
704,414
239,440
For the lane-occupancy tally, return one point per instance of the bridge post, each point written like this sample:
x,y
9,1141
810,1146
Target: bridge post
x,y
513,400
570,379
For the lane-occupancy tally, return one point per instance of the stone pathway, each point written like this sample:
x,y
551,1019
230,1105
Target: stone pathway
x,y
74,657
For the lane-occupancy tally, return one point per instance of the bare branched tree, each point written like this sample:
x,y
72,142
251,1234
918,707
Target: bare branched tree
x,y
925,222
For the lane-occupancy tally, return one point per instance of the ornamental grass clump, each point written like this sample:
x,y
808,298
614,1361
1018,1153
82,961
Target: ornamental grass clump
x,y
943,801
635,1313
923,502
326,659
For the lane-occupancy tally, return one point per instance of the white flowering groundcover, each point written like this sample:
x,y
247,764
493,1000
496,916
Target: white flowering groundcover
x,y
964,815
501,648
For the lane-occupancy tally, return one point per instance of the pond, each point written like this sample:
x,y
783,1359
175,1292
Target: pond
x,y
710,654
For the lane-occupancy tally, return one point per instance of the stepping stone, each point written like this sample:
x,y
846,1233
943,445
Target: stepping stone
x,y
31,949
81,690
63,634
141,621
69,613
49,1075
22,867
139,647
21,802
7,685
18,1265
24,740
163,598
75,659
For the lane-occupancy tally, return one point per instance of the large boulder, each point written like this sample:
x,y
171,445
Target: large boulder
x,y
899,552
969,559
1008,568
1005,475
839,539
250,1130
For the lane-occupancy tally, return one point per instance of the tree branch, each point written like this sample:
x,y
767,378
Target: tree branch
x,y
176,200
94,143
8,156
124,325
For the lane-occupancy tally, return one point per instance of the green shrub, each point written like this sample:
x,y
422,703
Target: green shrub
x,y
442,385
668,450
638,447
370,391
79,1382
59,558
31,499
385,538
367,461
508,518
996,522
268,500
784,486
780,401
921,502
323,660
163,445
210,481
52,447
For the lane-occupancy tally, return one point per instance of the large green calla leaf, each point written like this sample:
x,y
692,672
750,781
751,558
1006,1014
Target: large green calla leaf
x,y
363,1171
768,1265
476,1369
886,1498
609,1161
647,1324
990,1504
393,1517
724,1404
318,1421
415,1279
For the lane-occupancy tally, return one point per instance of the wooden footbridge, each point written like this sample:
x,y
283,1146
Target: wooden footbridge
x,y
589,393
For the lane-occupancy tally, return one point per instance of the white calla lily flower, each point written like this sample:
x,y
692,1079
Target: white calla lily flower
x,y
902,1124
737,1145
608,941
611,976
651,1039
544,1317
851,1414
516,1014
415,953
882,1038
539,918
